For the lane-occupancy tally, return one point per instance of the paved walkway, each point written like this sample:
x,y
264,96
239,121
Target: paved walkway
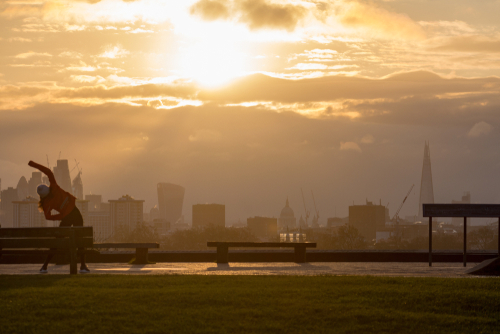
x,y
280,268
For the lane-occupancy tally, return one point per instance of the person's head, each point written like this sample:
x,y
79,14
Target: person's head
x,y
44,192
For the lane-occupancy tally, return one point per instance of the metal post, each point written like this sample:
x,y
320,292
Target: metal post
x,y
430,241
499,237
465,241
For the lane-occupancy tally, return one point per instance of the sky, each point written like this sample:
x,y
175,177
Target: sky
x,y
245,103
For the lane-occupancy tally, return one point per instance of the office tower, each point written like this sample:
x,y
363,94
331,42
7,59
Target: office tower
x,y
9,195
26,213
94,202
154,213
170,200
426,188
209,214
287,218
101,225
77,186
263,227
125,213
22,188
367,219
35,180
61,174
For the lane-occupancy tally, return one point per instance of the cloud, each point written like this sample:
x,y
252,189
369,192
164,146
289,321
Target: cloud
x,y
360,15
480,129
31,54
20,39
368,139
210,10
350,145
207,136
256,14
113,52
470,44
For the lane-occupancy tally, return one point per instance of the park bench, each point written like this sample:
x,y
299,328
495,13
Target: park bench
x,y
223,248
141,250
63,239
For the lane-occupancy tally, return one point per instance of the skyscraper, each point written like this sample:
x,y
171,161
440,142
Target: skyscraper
x,y
22,188
95,202
170,200
426,188
35,180
26,214
125,213
61,173
78,186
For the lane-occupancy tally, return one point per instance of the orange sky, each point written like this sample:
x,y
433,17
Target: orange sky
x,y
244,102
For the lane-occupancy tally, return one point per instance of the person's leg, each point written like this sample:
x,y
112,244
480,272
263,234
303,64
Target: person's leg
x,y
63,223
77,220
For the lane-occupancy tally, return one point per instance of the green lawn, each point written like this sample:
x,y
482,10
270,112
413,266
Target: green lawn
x,y
243,304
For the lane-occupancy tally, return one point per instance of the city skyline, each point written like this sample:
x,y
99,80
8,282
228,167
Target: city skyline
x,y
245,103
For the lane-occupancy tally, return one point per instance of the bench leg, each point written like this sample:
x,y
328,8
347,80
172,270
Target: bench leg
x,y
72,261
300,254
141,256
222,254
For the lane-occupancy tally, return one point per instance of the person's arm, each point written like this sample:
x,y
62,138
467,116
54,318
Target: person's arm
x,y
44,170
50,216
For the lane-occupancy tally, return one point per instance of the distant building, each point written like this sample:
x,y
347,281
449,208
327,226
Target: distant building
x,y
26,213
367,219
170,201
83,206
426,187
101,225
209,214
263,227
94,202
335,222
125,213
61,174
457,221
154,213
35,180
77,186
105,206
161,226
22,188
9,195
287,218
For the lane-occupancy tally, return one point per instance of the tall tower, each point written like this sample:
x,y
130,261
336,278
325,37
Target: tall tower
x,y
61,173
426,188
170,201
78,186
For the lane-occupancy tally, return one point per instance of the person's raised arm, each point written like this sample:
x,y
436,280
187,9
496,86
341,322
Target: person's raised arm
x,y
44,170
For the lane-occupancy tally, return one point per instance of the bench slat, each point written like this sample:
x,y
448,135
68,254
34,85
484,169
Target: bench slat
x,y
262,244
44,243
41,232
45,252
127,245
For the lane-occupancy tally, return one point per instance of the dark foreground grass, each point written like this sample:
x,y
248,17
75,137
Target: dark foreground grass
x,y
244,304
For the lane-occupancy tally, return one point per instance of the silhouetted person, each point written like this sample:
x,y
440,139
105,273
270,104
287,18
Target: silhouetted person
x,y
54,198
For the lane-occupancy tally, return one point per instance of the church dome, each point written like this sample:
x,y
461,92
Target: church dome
x,y
287,211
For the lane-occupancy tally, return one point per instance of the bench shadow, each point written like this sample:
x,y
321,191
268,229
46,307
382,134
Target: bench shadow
x,y
299,266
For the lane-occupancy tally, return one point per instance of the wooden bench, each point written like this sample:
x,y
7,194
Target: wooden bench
x,y
141,250
65,239
223,248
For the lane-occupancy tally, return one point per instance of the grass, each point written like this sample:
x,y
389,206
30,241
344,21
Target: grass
x,y
247,304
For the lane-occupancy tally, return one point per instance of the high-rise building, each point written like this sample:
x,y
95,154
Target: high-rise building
x,y
465,200
35,180
125,213
367,219
77,186
170,200
426,188
263,227
9,195
22,188
27,214
94,202
61,174
205,215
101,225
287,218
154,213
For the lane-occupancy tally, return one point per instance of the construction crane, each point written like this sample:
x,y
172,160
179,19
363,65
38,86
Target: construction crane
x,y
316,214
305,208
76,166
396,215
59,155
